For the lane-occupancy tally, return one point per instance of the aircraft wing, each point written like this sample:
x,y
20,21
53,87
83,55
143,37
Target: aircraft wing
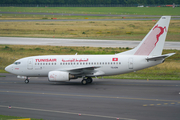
x,y
160,57
85,71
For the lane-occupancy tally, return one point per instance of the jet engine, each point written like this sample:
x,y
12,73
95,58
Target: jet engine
x,y
55,76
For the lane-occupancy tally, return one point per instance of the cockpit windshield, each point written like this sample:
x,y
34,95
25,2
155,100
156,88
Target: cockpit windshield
x,y
17,63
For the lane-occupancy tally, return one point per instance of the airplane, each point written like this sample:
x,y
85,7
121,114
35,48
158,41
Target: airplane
x,y
66,67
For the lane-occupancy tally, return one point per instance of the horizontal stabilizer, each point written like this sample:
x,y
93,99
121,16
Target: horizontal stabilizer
x,y
160,57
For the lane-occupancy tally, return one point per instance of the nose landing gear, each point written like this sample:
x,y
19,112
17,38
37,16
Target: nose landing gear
x,y
26,80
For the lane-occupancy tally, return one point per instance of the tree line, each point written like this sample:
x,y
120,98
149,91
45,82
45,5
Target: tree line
x,y
95,2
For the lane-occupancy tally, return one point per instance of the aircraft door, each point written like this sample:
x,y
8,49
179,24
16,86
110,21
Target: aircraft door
x,y
130,63
30,64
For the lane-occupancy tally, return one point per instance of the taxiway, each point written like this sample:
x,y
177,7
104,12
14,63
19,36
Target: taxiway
x,y
104,99
78,42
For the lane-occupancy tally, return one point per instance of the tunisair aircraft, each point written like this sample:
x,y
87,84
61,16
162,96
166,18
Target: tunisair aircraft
x,y
66,67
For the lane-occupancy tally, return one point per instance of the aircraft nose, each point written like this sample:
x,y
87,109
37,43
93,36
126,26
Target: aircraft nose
x,y
8,68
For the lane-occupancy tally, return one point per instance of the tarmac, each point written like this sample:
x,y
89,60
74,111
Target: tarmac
x,y
104,99
78,42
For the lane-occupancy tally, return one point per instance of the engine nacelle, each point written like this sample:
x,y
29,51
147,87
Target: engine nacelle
x,y
22,77
59,76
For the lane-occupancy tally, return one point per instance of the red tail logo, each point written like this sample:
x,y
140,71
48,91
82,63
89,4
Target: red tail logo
x,y
162,31
150,43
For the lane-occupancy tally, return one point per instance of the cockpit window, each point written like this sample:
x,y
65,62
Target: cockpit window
x,y
17,63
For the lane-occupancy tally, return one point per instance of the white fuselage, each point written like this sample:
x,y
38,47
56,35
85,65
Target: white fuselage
x,y
40,66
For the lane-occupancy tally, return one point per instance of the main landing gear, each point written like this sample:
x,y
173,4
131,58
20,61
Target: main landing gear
x,y
26,80
86,81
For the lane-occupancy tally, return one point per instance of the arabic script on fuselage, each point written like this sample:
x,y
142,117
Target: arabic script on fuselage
x,y
75,60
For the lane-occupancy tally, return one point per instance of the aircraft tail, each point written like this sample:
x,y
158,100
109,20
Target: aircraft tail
x,y
153,42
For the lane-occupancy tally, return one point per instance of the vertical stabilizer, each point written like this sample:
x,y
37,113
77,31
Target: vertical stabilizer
x,y
153,42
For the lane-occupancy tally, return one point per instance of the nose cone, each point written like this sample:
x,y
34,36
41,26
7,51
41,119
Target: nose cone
x,y
8,68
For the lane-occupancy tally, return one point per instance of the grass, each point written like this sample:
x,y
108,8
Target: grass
x,y
31,16
118,30
98,10
5,117
169,70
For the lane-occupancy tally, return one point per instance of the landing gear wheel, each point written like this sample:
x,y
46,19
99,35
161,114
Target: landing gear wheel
x,y
26,81
84,82
89,80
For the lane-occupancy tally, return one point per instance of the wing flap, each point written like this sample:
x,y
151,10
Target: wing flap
x,y
84,68
84,71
